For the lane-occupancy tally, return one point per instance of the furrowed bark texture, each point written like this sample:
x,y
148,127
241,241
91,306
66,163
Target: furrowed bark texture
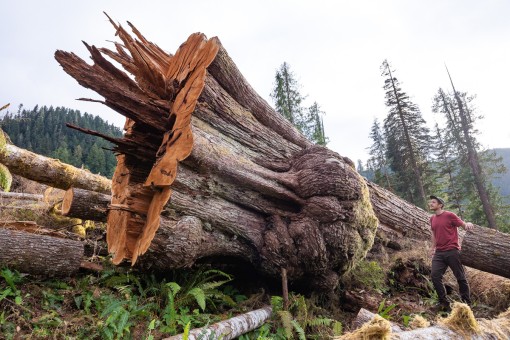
x,y
33,253
251,185
488,249
48,170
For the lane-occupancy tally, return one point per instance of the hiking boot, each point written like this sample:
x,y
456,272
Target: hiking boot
x,y
442,306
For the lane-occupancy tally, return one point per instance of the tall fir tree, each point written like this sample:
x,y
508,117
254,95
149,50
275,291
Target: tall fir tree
x,y
288,102
287,96
475,167
377,162
407,140
315,125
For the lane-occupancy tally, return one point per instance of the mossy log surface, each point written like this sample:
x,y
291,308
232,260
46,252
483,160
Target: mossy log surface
x,y
251,185
49,171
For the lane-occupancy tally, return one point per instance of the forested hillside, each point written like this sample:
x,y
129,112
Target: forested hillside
x,y
503,181
43,131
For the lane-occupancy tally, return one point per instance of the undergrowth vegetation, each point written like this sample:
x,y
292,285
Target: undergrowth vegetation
x,y
114,304
120,303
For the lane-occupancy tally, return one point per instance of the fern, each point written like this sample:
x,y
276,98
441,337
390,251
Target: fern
x,y
299,330
317,322
277,303
199,296
337,328
185,334
286,320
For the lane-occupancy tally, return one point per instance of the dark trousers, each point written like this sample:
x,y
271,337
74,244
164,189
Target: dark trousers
x,y
440,262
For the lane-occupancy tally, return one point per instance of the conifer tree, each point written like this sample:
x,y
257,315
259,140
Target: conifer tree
x,y
483,203
377,161
288,102
315,125
287,97
43,131
407,140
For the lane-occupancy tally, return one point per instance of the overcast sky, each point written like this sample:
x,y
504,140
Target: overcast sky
x,y
335,48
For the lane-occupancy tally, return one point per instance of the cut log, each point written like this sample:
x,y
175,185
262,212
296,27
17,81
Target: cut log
x,y
89,205
37,253
251,185
488,249
19,196
49,171
231,328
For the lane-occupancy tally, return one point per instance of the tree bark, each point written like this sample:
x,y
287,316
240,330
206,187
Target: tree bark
x,y
89,205
39,254
487,250
231,328
49,171
15,196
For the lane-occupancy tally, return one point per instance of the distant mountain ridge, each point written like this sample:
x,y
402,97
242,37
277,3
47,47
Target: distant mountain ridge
x,y
503,183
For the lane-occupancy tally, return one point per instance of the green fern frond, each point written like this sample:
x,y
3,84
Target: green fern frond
x,y
199,296
125,289
185,334
286,320
212,285
300,331
337,328
315,322
174,287
301,309
277,303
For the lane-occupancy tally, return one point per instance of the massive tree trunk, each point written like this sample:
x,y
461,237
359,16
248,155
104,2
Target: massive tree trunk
x,y
252,186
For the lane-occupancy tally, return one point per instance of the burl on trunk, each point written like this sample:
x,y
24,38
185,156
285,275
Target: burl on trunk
x,y
241,180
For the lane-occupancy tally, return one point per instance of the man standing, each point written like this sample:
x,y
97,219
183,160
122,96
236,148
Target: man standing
x,y
446,250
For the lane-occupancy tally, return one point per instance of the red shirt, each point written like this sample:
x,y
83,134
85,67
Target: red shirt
x,y
444,227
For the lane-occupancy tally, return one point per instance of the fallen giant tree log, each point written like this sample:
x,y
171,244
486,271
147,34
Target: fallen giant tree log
x,y
252,186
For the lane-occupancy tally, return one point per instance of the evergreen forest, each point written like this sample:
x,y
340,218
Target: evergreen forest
x,y
414,161
43,130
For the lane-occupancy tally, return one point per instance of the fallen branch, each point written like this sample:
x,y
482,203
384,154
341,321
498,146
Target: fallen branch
x,y
231,328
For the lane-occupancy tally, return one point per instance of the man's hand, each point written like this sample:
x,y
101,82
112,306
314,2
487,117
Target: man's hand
x,y
432,251
468,226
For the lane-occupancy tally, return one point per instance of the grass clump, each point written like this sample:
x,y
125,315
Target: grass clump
x,y
368,274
